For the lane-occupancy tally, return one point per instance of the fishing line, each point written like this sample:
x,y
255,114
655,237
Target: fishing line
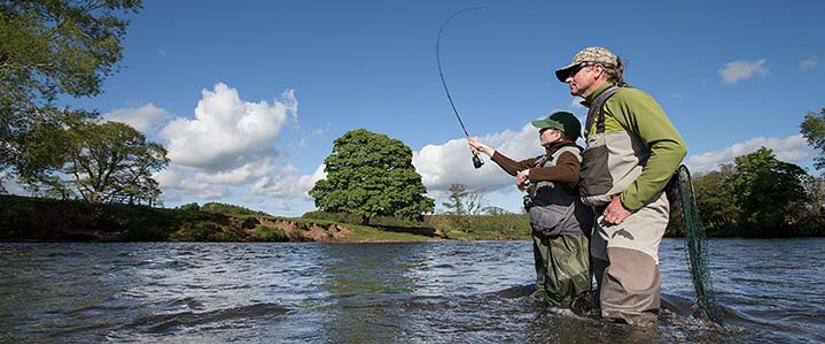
x,y
477,162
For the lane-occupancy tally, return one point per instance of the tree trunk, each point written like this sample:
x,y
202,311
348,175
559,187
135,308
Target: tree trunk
x,y
365,220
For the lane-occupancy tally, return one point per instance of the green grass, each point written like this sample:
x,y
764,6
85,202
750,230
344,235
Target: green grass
x,y
371,234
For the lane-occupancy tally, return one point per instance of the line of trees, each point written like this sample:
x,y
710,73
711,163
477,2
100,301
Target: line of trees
x,y
759,195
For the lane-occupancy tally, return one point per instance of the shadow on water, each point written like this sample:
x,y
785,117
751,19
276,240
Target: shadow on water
x,y
425,231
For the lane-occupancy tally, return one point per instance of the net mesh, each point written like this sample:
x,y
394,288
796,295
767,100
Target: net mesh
x,y
681,192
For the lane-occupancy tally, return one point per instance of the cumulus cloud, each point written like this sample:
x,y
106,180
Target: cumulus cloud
x,y
450,163
790,149
228,149
178,184
241,175
289,184
228,132
146,119
809,63
733,72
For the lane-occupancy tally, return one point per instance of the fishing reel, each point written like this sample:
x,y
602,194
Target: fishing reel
x,y
477,162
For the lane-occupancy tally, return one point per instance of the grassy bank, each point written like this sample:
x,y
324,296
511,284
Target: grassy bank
x,y
465,227
35,219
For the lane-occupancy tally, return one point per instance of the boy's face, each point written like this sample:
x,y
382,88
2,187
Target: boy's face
x,y
548,136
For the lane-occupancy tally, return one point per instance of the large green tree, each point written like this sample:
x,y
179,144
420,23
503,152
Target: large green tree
x,y
50,48
104,163
370,175
770,193
813,129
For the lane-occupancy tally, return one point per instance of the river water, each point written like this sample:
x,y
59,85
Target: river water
x,y
770,291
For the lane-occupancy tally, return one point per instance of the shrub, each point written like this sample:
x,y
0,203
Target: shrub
x,y
229,209
270,234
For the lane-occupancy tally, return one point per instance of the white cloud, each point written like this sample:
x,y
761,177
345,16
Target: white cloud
x,y
733,72
238,176
449,163
288,184
790,149
146,119
228,150
809,63
178,184
228,132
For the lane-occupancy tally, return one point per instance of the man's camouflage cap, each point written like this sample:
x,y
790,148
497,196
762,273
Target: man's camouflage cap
x,y
588,55
564,121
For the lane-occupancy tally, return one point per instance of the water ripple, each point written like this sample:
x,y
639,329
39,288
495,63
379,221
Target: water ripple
x,y
448,292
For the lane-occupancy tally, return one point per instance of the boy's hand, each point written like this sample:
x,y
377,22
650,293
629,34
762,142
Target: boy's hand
x,y
476,147
522,180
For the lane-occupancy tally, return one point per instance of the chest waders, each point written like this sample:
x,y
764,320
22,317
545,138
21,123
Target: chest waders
x,y
626,255
551,210
560,246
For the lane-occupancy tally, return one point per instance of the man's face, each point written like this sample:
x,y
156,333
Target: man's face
x,y
583,80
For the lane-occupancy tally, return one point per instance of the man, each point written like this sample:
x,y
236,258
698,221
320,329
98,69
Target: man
x,y
632,151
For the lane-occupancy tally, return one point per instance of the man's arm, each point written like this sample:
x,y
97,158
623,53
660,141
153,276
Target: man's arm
x,y
638,112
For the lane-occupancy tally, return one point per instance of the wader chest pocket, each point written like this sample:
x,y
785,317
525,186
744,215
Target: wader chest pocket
x,y
595,175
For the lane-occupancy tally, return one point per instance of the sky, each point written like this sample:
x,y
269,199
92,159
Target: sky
x,y
248,96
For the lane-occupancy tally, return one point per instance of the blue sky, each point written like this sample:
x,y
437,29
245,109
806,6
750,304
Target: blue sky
x,y
249,95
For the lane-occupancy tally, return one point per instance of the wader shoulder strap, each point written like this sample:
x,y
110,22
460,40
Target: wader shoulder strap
x,y
596,111
569,148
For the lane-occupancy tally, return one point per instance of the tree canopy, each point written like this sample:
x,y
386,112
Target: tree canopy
x,y
813,129
370,174
759,195
104,163
49,48
767,190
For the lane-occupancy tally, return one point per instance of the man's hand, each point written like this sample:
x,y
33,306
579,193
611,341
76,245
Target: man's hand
x,y
615,212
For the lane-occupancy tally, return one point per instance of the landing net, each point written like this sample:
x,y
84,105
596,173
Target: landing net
x,y
681,191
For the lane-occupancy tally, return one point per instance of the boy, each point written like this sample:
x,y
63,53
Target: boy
x,y
559,220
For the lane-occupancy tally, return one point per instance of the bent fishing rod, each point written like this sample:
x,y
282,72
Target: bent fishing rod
x,y
477,162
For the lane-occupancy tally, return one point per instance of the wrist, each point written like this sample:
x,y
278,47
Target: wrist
x,y
622,202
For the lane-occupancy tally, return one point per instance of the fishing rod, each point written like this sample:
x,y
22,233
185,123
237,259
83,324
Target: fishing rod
x,y
477,162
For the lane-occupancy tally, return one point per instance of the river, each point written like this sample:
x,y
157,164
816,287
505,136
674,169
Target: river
x,y
770,291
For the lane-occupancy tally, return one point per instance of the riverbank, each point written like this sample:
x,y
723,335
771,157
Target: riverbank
x,y
25,219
